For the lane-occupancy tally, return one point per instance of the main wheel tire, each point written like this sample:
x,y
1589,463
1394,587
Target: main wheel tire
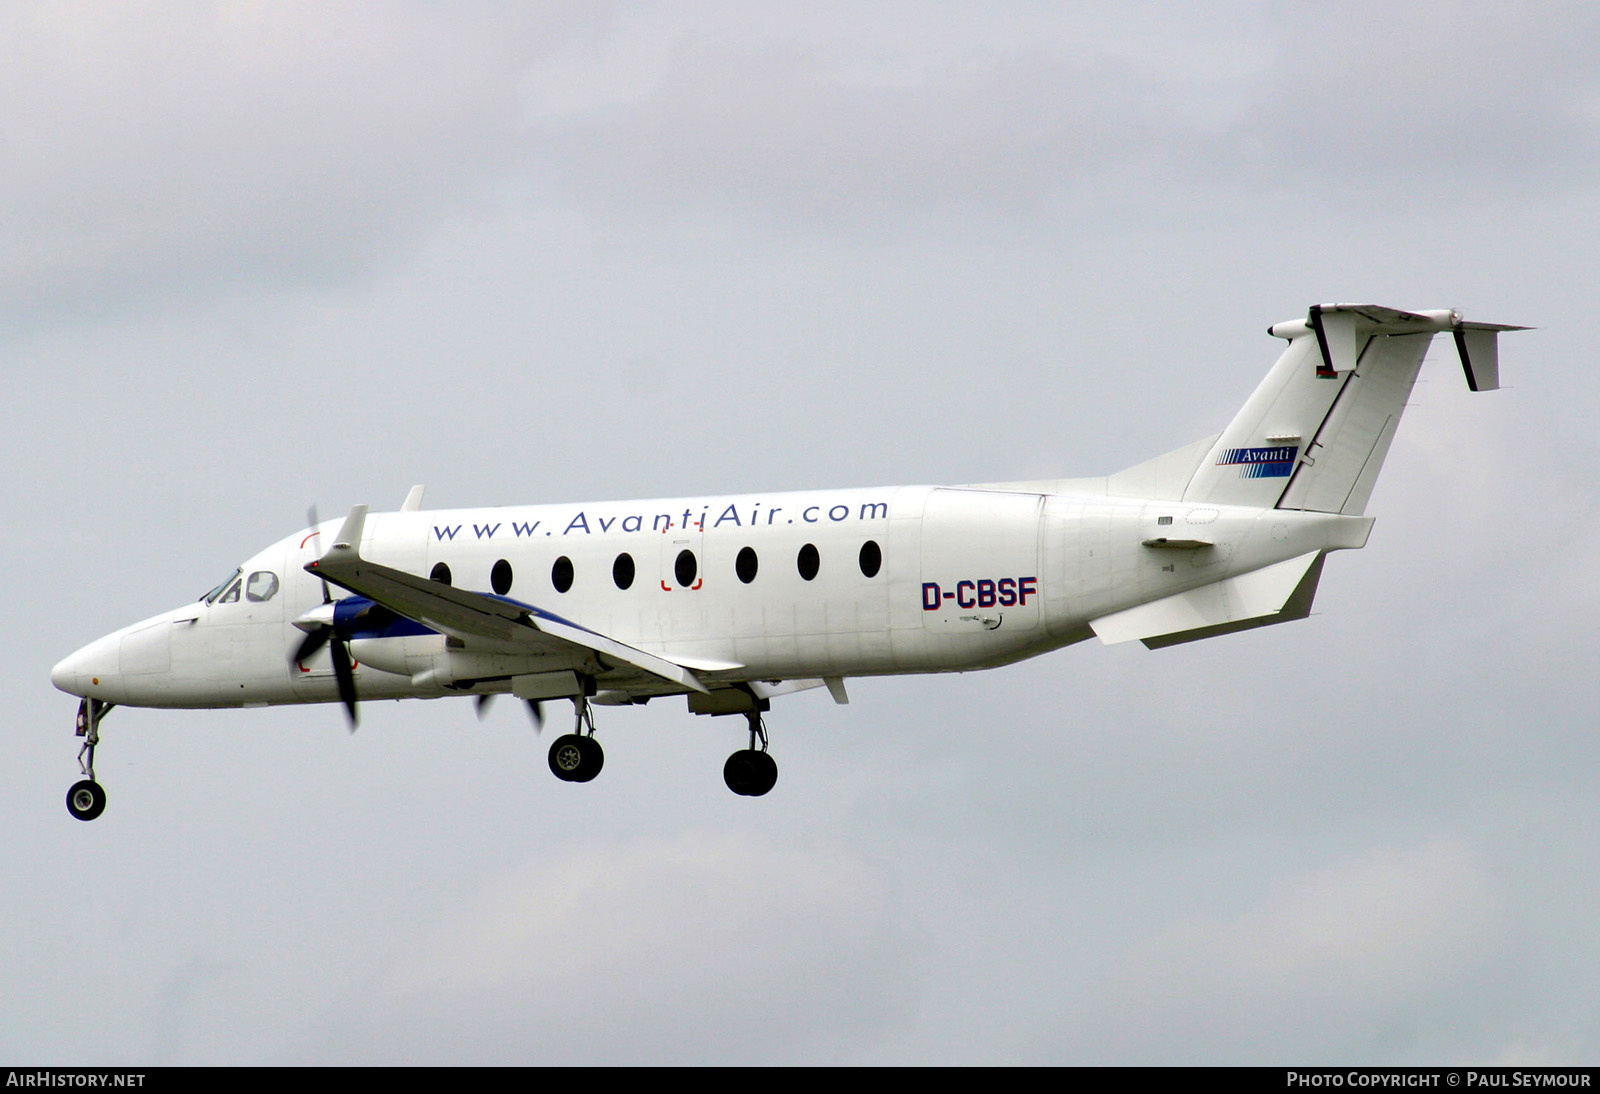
x,y
566,757
736,772
576,759
765,770
594,758
750,772
86,800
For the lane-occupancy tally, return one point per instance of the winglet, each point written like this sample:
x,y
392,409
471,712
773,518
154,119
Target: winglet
x,y
1480,355
1335,329
413,500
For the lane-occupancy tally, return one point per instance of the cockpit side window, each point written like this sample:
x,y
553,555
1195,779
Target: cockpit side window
x,y
263,585
232,594
211,597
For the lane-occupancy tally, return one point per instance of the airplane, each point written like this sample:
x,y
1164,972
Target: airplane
x,y
735,601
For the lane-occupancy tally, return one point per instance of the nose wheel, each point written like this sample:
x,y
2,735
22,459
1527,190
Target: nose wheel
x,y
87,799
751,772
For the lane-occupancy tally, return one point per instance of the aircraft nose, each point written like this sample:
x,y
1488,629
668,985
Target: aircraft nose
x,y
65,675
92,669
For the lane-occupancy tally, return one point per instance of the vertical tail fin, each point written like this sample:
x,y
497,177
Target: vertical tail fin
x,y
1315,432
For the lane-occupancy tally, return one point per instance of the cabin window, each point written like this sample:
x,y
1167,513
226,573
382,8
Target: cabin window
x,y
871,558
263,585
622,570
745,565
561,574
440,573
500,577
685,568
808,561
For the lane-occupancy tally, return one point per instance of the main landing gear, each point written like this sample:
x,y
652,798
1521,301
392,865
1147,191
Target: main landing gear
x,y
751,771
576,757
87,799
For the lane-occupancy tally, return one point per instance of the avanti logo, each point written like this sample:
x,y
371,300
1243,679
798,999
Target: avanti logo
x,y
1275,462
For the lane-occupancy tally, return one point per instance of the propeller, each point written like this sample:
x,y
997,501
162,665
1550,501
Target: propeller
x,y
535,710
321,630
320,627
344,675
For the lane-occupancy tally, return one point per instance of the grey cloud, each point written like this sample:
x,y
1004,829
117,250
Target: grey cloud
x,y
1325,962
633,950
202,143
1467,94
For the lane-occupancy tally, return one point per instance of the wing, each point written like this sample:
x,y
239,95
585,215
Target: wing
x,y
467,615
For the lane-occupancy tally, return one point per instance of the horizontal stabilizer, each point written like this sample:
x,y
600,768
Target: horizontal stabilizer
x,y
1340,330
1273,594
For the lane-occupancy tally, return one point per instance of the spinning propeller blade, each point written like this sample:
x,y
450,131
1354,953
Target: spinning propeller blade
x,y
344,675
312,643
535,711
319,634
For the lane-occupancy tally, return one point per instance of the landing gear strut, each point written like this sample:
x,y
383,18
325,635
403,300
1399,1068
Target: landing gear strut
x,y
576,757
87,800
751,771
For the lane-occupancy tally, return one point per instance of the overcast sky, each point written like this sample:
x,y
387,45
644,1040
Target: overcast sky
x,y
255,256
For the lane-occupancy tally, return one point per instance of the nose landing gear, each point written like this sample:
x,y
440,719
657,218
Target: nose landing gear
x,y
87,799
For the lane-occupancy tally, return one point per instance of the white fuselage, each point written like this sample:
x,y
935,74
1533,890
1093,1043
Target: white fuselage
x,y
965,578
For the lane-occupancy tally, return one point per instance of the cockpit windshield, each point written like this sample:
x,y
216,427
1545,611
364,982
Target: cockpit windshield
x,y
214,593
